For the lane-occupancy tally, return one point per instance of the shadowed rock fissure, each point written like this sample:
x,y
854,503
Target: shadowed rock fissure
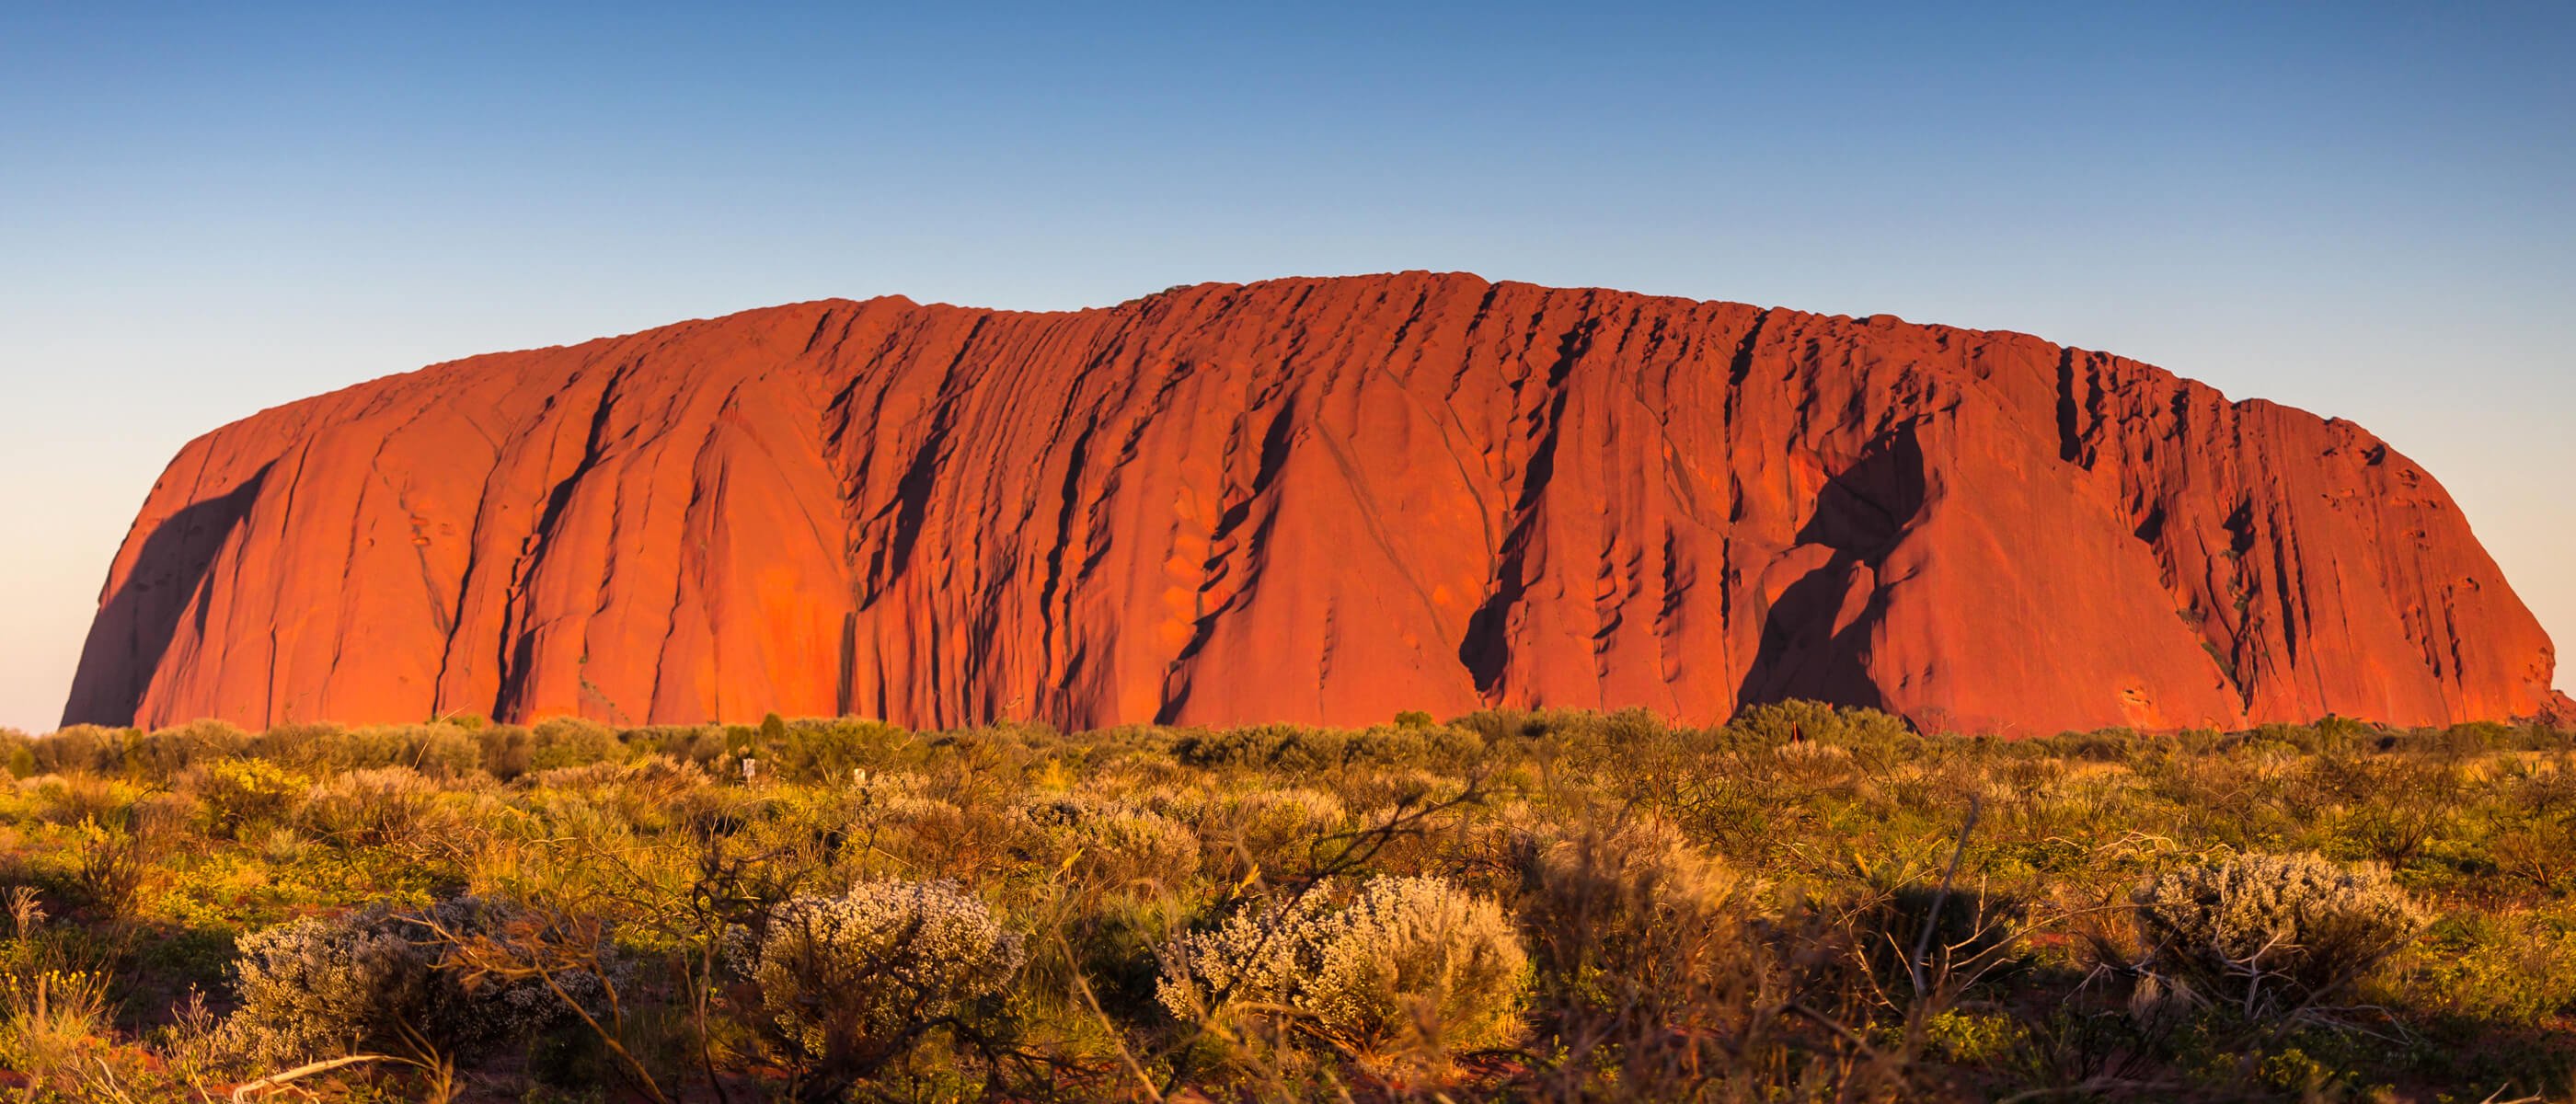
x,y
1486,647
518,659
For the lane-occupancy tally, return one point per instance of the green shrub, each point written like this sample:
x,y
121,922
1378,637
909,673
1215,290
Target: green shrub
x,y
435,750
2494,970
572,742
85,799
322,748
81,748
1271,828
2474,738
17,753
1413,746
239,793
110,863
2540,850
505,750
383,807
2330,736
1974,1039
652,772
1786,722
1274,747
2102,745
1504,726
160,756
827,752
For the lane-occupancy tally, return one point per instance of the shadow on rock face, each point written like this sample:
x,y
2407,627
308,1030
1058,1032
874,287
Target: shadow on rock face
x,y
138,622
1810,649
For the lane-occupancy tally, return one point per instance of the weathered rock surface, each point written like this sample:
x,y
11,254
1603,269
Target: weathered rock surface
x,y
1311,500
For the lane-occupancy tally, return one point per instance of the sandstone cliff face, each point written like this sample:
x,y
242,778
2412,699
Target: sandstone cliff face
x,y
1312,500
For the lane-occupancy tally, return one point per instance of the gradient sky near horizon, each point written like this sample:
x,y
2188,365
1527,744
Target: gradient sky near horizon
x,y
2365,210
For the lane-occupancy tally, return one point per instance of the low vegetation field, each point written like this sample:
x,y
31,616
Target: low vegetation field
x,y
1804,904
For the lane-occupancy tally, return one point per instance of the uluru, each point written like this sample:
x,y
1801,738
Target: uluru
x,y
1303,500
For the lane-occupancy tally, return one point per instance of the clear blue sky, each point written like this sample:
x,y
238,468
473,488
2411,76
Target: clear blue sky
x,y
2360,209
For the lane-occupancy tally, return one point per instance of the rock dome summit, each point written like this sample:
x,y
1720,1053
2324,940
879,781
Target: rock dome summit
x,y
1303,500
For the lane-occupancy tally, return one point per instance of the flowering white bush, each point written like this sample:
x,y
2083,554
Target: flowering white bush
x,y
883,800
1409,964
1110,841
866,972
325,986
2268,930
321,987
1637,873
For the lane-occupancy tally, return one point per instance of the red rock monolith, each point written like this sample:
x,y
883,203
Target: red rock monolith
x,y
1305,500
